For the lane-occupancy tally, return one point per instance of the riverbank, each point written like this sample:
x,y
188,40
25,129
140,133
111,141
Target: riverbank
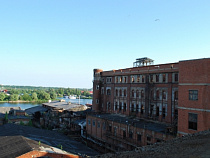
x,y
23,101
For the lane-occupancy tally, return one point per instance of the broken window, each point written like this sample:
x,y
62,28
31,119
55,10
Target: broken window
x,y
193,94
139,137
151,78
157,94
125,92
116,80
108,92
149,138
142,109
124,107
125,79
132,107
120,92
97,87
132,79
116,92
120,79
120,106
94,123
110,128
176,95
157,78
132,93
164,112
137,108
164,94
164,77
137,93
142,94
138,78
131,134
116,105
157,111
124,133
176,77
142,80
192,121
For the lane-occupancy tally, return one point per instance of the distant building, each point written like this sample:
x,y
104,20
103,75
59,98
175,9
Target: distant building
x,y
148,103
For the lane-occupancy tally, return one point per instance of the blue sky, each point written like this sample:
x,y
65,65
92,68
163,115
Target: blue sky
x,y
58,43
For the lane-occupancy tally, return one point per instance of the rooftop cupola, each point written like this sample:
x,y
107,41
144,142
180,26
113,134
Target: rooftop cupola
x,y
143,62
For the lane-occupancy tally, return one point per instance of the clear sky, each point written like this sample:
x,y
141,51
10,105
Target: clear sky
x,y
58,43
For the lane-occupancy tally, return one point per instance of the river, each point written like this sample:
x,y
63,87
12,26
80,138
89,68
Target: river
x,y
24,106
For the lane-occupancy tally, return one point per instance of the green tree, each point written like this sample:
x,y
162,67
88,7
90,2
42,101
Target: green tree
x,y
34,96
14,97
2,96
53,95
25,97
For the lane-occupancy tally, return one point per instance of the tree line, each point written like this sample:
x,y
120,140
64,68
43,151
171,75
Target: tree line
x,y
39,94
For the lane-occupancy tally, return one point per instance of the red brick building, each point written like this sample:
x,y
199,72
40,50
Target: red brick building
x,y
146,103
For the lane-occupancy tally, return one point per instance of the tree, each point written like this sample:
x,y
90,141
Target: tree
x,y
25,97
34,96
2,96
53,95
14,97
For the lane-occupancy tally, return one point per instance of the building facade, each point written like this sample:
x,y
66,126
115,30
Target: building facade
x,y
173,97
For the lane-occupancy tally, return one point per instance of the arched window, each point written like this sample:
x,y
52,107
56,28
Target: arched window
x,y
157,94
120,92
132,93
137,93
116,92
125,92
142,94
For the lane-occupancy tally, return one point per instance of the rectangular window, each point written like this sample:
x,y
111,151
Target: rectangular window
x,y
97,87
131,134
149,138
99,125
164,77
157,78
193,94
124,134
89,121
192,120
138,137
125,79
176,77
97,101
138,78
94,123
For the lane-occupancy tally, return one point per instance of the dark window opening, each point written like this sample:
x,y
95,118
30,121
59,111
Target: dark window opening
x,y
110,128
138,78
142,79
192,119
130,134
164,95
157,111
137,93
138,137
142,109
164,77
124,134
157,94
124,107
108,91
132,107
120,92
176,79
157,78
132,93
116,92
149,138
142,94
124,92
120,106
151,78
164,113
